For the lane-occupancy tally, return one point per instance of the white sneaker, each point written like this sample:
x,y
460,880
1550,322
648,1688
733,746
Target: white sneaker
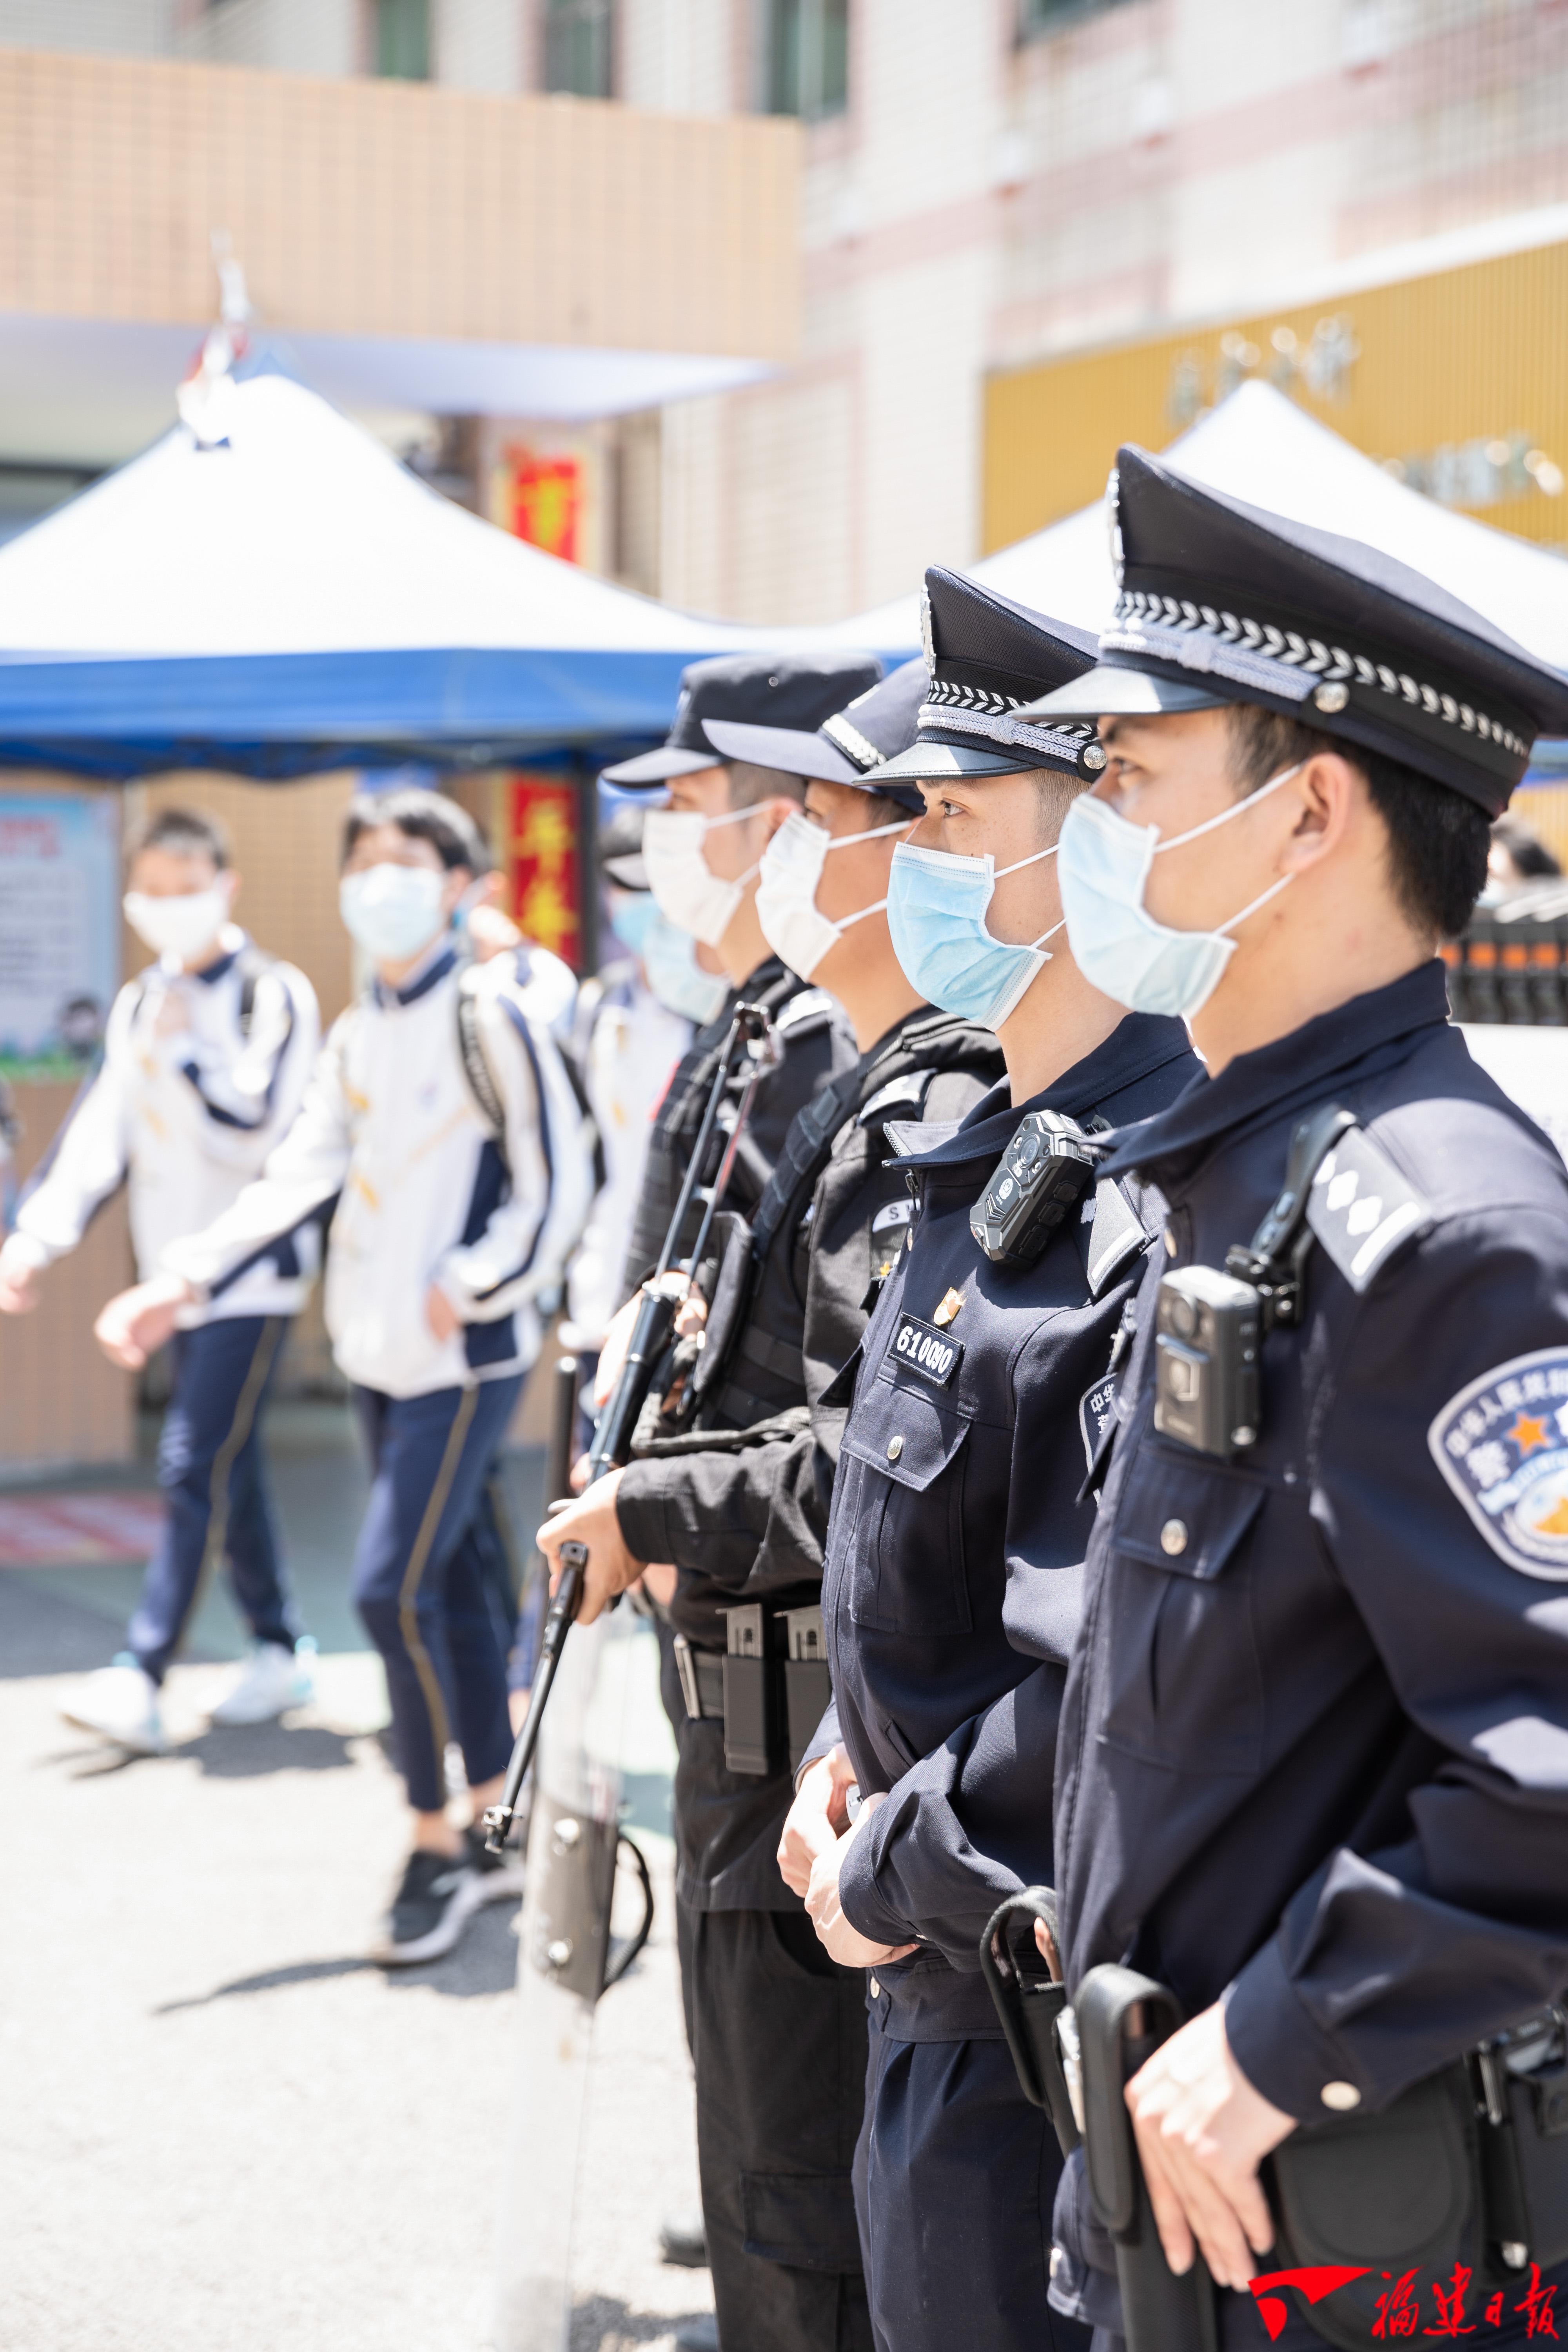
x,y
120,1702
271,1680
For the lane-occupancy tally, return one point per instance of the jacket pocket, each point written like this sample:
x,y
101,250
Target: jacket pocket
x,y
908,1574
1184,1684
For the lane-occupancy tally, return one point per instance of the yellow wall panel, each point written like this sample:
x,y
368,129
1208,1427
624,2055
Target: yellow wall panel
x,y
1472,354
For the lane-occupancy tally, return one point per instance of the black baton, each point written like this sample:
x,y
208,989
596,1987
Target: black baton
x,y
1122,2019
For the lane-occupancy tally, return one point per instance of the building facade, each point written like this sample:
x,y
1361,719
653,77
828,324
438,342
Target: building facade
x,y
1027,228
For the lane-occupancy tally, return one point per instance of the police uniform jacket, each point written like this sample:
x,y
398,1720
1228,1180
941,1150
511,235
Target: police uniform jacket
x,y
957,1509
818,1042
747,1522
1314,1748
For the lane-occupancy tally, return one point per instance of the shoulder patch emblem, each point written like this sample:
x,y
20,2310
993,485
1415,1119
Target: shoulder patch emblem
x,y
1502,1446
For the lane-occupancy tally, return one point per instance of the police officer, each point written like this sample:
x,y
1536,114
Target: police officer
x,y
701,853
777,2028
956,1515
1313,1760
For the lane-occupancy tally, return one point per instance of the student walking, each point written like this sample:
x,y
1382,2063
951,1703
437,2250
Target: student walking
x,y
204,1063
441,1122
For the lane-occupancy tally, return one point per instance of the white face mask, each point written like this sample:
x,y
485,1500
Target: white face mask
x,y
181,927
793,924
1103,867
392,911
685,886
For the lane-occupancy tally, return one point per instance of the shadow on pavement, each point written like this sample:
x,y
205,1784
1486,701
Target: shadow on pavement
x,y
246,1750
484,1962
603,2320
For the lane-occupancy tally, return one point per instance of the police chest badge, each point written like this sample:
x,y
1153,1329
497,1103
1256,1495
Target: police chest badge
x,y
1502,1446
1096,1411
922,1348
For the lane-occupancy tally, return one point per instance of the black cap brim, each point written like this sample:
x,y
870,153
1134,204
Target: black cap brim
x,y
1109,691
784,749
930,762
658,767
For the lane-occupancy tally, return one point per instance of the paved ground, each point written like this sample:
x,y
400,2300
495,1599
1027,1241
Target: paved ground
x,y
221,2130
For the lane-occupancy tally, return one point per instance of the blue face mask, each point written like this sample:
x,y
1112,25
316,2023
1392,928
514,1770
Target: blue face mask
x,y
1116,943
633,915
936,914
675,976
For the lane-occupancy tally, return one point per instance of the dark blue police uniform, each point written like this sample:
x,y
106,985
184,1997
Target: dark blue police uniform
x,y
1313,1752
957,1501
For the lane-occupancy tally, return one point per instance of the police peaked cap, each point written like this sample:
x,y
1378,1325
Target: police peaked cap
x,y
852,747
986,658
1221,603
792,691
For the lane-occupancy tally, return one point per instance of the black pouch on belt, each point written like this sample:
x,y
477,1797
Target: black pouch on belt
x,y
1029,1997
1469,2166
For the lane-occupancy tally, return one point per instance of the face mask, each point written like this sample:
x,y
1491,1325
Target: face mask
x,y
670,960
178,927
632,918
793,924
1116,944
391,912
688,892
936,913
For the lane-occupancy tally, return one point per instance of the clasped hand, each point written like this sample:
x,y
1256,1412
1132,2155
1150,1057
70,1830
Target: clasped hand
x,y
1202,2132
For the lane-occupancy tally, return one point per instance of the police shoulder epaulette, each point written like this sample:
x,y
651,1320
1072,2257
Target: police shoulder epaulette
x,y
908,1088
812,1009
1361,1208
1116,1233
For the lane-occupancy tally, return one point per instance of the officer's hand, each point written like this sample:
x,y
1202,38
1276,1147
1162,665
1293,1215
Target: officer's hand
x,y
18,1289
613,1354
135,1325
590,1520
818,1818
843,1942
659,1578
1202,2131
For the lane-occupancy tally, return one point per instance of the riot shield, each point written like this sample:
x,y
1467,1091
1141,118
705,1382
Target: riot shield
x,y
565,1960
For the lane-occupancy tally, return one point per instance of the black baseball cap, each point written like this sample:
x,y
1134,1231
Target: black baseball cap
x,y
796,691
854,746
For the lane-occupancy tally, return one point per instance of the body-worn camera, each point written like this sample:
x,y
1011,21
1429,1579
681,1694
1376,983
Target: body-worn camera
x,y
1206,1333
1041,1177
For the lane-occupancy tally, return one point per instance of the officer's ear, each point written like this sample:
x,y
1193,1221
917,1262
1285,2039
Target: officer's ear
x,y
1329,801
775,811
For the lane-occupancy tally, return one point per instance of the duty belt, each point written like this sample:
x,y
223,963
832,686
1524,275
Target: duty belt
x,y
701,1675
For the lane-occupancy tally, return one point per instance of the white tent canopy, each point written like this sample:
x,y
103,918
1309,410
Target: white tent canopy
x,y
1260,447
279,594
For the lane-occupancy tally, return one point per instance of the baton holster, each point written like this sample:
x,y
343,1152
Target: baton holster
x,y
1030,2000
1122,2019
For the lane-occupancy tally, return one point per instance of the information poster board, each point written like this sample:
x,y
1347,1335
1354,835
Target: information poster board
x,y
59,929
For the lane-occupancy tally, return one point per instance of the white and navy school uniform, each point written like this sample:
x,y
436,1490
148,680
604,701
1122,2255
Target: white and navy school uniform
x,y
202,1075
421,1189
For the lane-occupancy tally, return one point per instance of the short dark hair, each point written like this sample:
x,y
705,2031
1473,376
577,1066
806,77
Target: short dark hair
x,y
1437,840
423,817
749,784
184,833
